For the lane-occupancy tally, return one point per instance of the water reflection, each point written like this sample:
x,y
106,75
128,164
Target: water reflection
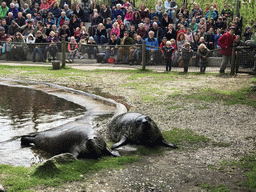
x,y
24,110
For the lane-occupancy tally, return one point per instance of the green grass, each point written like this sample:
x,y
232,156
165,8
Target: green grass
x,y
243,96
21,178
179,136
247,164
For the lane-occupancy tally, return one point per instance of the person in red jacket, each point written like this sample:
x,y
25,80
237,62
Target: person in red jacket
x,y
225,42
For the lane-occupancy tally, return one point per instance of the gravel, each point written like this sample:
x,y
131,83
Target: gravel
x,y
180,170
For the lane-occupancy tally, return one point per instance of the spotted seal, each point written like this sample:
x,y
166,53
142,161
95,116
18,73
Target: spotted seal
x,y
135,128
80,139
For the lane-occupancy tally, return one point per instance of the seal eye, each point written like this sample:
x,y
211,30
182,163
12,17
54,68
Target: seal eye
x,y
148,118
139,121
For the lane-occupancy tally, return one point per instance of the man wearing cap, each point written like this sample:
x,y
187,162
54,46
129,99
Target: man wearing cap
x,y
3,10
225,42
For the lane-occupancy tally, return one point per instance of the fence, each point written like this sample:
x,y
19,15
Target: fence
x,y
135,56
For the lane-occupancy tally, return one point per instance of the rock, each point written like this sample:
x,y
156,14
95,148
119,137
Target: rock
x,y
253,87
49,169
51,166
2,189
63,158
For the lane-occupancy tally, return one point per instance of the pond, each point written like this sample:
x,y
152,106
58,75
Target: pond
x,y
24,110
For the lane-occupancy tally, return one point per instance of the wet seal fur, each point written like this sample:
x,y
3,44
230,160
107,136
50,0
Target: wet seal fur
x,y
135,128
80,139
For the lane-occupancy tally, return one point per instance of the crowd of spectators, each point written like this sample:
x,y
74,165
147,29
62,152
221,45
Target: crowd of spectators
x,y
36,21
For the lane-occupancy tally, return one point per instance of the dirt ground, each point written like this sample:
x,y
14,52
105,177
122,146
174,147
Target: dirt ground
x,y
184,170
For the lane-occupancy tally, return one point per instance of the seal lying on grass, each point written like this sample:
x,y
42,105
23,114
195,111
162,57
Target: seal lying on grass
x,y
77,138
135,128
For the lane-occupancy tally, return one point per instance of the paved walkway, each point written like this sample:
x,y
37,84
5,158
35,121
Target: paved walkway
x,y
159,68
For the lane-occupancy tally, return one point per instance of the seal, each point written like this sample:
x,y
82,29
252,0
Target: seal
x,y
135,128
77,138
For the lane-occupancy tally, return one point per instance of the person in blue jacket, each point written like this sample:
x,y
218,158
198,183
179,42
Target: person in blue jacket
x,y
116,12
152,50
61,19
14,10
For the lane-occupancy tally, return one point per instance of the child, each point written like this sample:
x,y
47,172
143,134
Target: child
x,y
119,20
147,24
186,55
77,34
135,51
30,40
189,35
72,48
151,15
7,47
83,33
175,54
92,48
108,25
203,54
168,50
162,44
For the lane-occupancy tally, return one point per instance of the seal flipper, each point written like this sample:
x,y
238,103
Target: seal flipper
x,y
113,153
122,141
168,144
27,139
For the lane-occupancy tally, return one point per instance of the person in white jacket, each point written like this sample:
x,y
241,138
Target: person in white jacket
x,y
170,8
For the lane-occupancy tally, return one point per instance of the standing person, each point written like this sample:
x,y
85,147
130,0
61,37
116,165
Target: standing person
x,y
168,50
186,55
203,54
72,49
225,42
7,49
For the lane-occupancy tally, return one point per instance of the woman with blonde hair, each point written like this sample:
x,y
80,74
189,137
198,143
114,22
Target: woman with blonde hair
x,y
101,35
203,53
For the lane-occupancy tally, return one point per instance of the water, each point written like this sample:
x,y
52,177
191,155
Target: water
x,y
24,111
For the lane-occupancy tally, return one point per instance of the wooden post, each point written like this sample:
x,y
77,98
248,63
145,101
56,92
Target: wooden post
x,y
63,50
233,59
143,55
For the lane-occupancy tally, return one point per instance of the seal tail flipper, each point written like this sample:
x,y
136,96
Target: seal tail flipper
x,y
27,139
122,142
113,153
168,144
